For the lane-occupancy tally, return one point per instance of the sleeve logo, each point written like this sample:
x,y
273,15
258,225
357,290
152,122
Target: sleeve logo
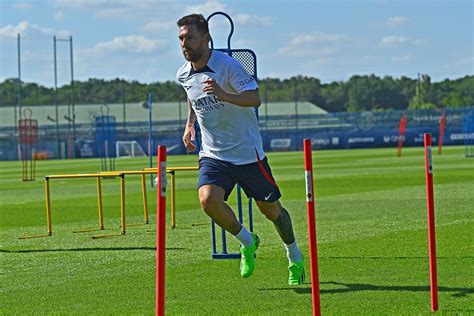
x,y
246,81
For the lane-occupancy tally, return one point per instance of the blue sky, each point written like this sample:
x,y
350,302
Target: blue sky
x,y
329,40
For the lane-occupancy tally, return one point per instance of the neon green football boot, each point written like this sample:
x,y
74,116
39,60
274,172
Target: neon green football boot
x,y
247,258
297,273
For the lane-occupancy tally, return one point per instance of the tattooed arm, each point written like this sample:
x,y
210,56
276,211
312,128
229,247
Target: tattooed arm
x,y
189,132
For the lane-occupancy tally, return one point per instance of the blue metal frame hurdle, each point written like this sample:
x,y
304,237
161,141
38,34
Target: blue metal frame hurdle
x,y
106,137
248,59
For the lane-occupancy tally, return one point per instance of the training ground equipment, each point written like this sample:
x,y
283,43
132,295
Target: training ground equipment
x,y
149,104
129,149
106,137
442,126
313,250
248,59
161,232
27,140
401,134
100,205
111,174
224,254
431,222
172,172
469,134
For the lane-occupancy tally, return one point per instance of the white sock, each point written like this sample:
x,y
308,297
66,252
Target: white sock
x,y
245,237
293,252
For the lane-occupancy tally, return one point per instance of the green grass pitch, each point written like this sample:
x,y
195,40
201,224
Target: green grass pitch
x,y
372,240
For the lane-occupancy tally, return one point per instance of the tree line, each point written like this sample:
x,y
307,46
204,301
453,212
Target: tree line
x,y
359,93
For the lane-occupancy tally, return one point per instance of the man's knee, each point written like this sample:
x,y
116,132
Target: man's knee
x,y
207,201
271,210
210,198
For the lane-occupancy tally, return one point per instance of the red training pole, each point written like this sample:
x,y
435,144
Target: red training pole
x,y
431,222
313,249
160,232
401,134
442,126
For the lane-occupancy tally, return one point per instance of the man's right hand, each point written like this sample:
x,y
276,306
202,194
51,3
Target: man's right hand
x,y
189,137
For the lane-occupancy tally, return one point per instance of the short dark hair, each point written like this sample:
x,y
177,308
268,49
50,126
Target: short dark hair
x,y
195,19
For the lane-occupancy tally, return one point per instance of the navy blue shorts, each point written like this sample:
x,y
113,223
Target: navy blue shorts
x,y
255,179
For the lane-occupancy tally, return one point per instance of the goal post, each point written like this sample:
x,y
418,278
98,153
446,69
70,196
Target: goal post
x,y
129,149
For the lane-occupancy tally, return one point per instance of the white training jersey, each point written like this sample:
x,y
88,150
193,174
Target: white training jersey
x,y
229,132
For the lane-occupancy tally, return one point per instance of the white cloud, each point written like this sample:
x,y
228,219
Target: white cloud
x,y
465,63
304,45
253,20
159,26
206,8
295,51
316,37
25,28
399,40
121,9
131,43
393,40
22,6
36,55
242,42
356,60
83,4
396,21
402,59
59,15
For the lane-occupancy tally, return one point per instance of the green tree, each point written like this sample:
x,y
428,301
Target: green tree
x,y
359,93
423,98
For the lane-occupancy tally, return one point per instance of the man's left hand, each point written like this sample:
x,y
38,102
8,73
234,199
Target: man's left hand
x,y
213,87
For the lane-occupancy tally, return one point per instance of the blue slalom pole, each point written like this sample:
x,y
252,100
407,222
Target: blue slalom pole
x,y
213,231
224,242
239,204
250,215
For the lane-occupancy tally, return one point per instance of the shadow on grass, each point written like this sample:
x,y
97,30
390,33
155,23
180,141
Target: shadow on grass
x,y
358,287
86,249
402,258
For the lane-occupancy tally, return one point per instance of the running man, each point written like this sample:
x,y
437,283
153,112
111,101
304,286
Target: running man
x,y
222,97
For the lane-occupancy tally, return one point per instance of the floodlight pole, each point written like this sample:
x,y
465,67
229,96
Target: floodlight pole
x,y
73,101
19,81
124,111
150,135
56,97
296,106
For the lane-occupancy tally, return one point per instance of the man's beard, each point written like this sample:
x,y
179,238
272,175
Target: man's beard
x,y
192,55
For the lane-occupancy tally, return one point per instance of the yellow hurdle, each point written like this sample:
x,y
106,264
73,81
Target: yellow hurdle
x,y
100,208
144,197
121,174
122,210
71,176
172,171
